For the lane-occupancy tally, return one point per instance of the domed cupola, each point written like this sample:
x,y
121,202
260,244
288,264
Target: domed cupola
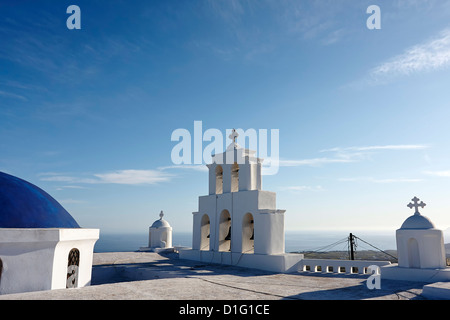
x,y
160,223
24,205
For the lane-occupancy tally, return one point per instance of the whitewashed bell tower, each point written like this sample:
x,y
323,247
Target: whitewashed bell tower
x,y
237,222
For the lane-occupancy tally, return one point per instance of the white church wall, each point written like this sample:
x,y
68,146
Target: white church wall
x,y
269,233
267,200
37,259
81,239
268,226
430,252
27,266
160,237
196,226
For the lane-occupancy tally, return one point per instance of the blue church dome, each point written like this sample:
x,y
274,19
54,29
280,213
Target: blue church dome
x,y
23,205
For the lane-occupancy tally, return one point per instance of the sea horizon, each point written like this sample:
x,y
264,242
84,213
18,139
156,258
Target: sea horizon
x,y
295,240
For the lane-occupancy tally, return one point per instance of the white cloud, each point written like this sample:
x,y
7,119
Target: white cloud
x,y
133,177
431,55
445,173
71,201
69,187
201,168
313,162
12,95
396,180
302,188
382,147
57,177
386,180
347,155
127,177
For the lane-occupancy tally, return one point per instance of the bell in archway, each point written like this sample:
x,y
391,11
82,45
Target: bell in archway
x,y
228,237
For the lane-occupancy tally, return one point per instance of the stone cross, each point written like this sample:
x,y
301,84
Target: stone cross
x,y
416,205
233,136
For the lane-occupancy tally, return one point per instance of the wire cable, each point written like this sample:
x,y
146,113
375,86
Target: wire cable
x,y
329,246
376,247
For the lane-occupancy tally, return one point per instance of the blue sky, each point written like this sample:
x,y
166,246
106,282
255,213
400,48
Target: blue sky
x,y
88,114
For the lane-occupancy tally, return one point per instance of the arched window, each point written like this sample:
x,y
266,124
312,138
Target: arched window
x,y
205,233
248,234
219,179
72,268
225,231
235,177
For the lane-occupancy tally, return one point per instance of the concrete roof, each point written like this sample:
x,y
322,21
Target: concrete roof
x,y
148,275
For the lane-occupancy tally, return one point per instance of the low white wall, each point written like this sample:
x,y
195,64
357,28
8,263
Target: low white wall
x,y
395,272
338,266
430,248
284,263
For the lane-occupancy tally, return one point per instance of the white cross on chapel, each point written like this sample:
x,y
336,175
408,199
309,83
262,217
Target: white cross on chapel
x,y
416,205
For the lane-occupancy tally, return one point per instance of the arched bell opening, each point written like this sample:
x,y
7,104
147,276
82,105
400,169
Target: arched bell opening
x,y
1,269
205,233
225,231
248,234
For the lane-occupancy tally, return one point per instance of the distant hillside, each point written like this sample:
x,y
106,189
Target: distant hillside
x,y
370,255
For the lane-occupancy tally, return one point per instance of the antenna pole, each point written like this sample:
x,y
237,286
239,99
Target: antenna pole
x,y
352,244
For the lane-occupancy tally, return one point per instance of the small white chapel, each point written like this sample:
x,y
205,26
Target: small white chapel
x,y
420,250
159,236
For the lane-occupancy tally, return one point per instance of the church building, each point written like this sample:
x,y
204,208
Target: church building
x,y
42,247
237,222
419,243
159,236
420,250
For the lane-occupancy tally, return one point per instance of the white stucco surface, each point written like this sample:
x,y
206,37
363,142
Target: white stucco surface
x,y
237,223
37,259
144,275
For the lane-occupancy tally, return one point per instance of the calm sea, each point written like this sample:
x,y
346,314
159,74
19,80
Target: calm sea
x,y
294,241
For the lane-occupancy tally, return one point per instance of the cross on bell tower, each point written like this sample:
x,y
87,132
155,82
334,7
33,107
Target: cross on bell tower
x,y
233,136
416,205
